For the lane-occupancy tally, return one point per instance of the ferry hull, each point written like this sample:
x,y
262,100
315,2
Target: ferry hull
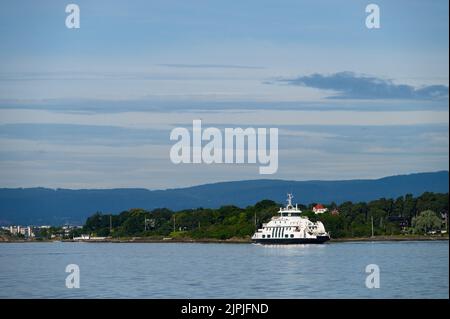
x,y
291,241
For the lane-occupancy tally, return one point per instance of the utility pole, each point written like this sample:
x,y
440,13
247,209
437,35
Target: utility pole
x,y
372,226
173,222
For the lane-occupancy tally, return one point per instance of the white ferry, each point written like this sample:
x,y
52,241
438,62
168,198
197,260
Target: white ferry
x,y
291,228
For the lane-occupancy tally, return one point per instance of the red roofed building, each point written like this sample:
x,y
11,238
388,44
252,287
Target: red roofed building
x,y
319,209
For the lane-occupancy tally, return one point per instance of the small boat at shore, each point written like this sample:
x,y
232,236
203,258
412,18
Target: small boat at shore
x,y
289,227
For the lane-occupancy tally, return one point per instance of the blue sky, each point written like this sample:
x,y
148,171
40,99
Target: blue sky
x,y
94,107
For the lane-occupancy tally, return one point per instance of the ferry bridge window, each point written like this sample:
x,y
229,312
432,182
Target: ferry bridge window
x,y
292,235
268,236
263,236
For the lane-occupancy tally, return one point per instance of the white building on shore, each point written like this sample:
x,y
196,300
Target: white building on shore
x,y
26,231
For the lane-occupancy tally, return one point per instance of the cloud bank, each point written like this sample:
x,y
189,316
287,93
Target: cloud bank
x,y
349,85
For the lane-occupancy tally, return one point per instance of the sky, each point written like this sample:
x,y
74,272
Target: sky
x,y
94,107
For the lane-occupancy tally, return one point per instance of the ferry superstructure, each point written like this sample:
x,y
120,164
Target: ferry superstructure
x,y
289,227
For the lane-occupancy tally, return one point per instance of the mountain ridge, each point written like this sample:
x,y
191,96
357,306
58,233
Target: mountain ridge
x,y
40,205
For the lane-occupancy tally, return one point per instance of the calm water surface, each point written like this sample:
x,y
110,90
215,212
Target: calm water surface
x,y
170,270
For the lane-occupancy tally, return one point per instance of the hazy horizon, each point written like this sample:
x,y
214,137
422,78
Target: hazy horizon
x,y
232,181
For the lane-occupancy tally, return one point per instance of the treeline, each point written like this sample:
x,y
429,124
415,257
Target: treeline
x,y
390,217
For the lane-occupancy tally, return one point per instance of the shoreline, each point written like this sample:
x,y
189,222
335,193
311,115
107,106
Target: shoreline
x,y
227,241
390,238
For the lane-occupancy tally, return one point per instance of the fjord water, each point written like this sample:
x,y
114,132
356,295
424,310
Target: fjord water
x,y
172,270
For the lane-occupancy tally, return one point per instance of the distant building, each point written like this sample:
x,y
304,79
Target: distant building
x,y
85,237
319,209
402,222
82,237
335,212
21,230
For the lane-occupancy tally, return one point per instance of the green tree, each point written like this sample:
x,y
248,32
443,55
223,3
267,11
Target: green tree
x,y
426,221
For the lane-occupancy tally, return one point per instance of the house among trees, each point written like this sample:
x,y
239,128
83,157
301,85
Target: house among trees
x,y
401,222
335,212
319,209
